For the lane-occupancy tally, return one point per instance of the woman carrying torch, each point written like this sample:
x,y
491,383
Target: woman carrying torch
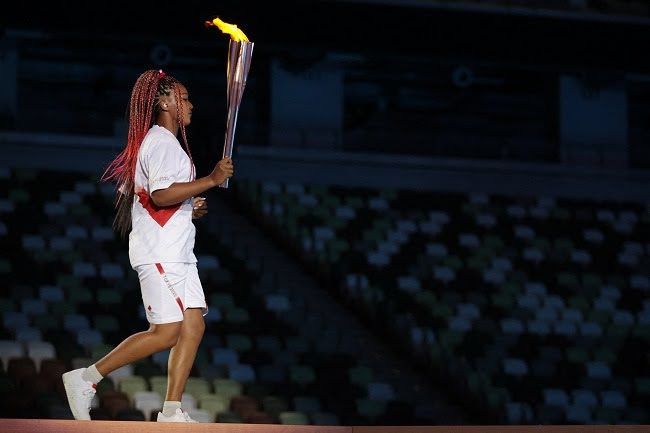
x,y
157,197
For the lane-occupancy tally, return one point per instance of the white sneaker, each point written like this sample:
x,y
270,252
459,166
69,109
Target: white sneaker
x,y
179,416
80,393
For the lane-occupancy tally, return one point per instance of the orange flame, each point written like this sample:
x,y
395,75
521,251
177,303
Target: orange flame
x,y
230,29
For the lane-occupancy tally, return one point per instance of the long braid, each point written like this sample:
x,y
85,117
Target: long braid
x,y
142,109
181,122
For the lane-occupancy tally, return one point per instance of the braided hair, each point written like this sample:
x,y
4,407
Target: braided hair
x,y
143,108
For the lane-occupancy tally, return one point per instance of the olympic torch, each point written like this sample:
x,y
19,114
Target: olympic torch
x,y
240,53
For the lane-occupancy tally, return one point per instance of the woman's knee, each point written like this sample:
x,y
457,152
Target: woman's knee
x,y
193,324
167,334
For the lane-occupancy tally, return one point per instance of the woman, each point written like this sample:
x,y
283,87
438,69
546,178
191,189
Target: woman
x,y
157,198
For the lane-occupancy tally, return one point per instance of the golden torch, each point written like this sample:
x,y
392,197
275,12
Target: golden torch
x,y
240,52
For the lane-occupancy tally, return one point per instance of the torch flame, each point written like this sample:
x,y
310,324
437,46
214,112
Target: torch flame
x,y
230,29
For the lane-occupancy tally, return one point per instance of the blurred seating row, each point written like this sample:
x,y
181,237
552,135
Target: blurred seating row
x,y
537,308
71,297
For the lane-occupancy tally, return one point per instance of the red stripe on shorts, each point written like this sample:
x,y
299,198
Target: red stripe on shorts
x,y
178,300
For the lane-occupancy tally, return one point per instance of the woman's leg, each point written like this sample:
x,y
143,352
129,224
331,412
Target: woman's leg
x,y
80,389
182,355
156,339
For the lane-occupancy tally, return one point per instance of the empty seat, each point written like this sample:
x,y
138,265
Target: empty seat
x,y
28,334
307,404
89,337
293,418
111,271
556,397
75,322
33,307
227,387
370,408
272,373
381,391
197,386
200,415
130,385
124,371
15,320
325,418
40,350
214,404
10,349
224,356
158,384
84,270
242,373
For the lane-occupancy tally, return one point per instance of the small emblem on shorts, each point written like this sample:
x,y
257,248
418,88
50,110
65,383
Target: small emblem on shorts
x,y
149,308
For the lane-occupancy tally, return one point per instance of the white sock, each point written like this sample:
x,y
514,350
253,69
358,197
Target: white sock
x,y
169,407
91,374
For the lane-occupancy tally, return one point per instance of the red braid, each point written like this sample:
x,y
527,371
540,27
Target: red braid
x,y
181,122
141,116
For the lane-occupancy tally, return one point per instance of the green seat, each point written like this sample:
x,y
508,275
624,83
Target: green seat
x,y
80,210
239,342
237,315
108,297
642,385
229,417
642,331
609,415
599,316
25,174
132,384
61,308
7,305
504,301
560,213
478,381
577,355
441,311
605,355
563,245
542,244
68,281
293,418
213,404
511,287
274,405
355,202
618,331
477,263
302,374
369,408
197,386
450,339
579,303
360,375
80,295
453,261
591,280
567,279
19,195
426,298
158,383
497,397
5,266
494,242
222,301
106,323
100,350
227,387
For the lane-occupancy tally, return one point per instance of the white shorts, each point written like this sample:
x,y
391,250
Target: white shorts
x,y
168,289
